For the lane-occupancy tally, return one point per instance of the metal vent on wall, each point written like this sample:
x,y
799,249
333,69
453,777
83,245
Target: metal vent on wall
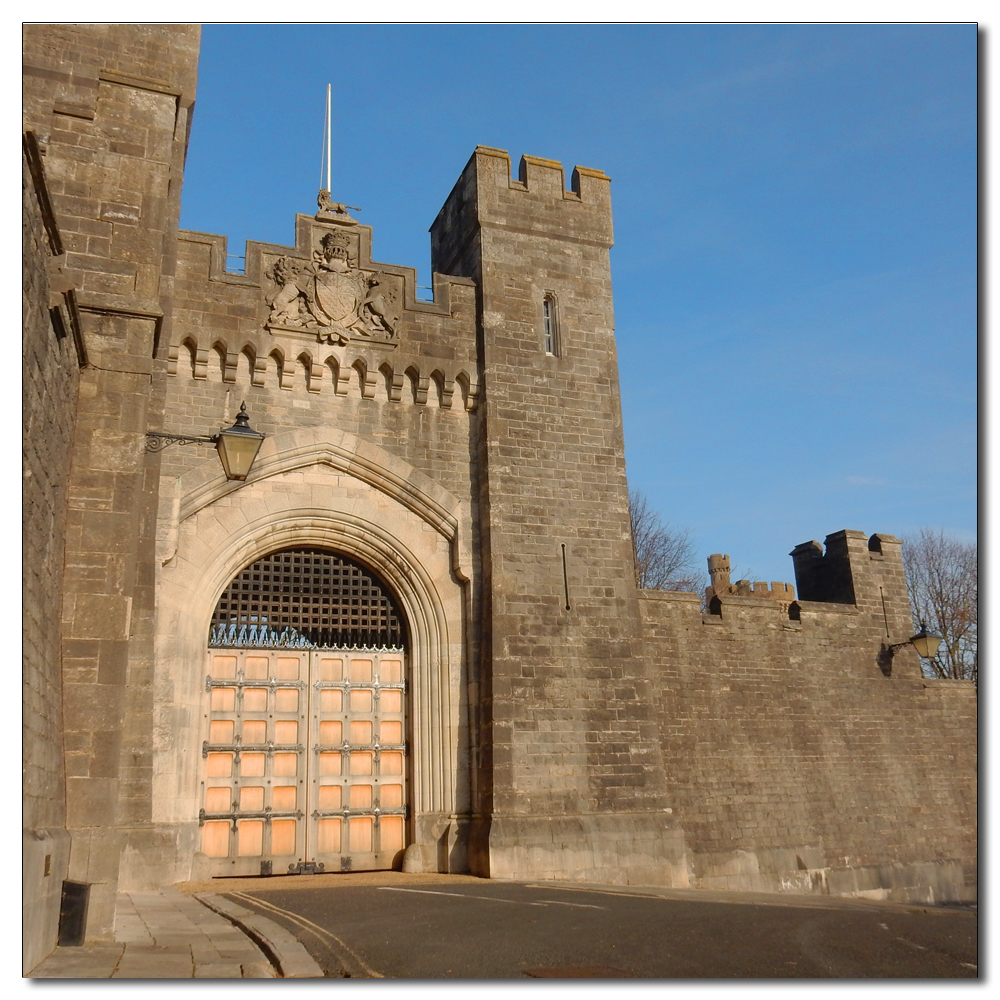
x,y
306,599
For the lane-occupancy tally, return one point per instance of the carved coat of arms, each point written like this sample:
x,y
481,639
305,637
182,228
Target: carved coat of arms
x,y
331,298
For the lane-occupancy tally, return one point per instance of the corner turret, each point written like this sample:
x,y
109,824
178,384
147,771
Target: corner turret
x,y
855,569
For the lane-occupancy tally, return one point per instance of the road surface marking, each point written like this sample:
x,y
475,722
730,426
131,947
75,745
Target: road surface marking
x,y
460,895
308,925
490,899
602,892
579,906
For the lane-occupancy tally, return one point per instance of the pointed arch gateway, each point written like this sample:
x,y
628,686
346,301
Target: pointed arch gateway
x,y
315,487
305,763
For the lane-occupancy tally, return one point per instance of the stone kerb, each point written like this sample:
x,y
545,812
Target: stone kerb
x,y
639,848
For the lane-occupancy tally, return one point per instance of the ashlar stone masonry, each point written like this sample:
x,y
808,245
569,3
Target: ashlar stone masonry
x,y
212,685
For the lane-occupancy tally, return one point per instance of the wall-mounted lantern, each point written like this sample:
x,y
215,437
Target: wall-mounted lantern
x,y
237,445
925,643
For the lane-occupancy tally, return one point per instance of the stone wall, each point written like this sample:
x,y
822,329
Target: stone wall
x,y
110,106
793,761
50,360
416,395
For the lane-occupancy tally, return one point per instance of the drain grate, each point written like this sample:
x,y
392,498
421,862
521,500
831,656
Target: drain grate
x,y
579,972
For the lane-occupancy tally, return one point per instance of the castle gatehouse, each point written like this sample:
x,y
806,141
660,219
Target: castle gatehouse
x,y
410,636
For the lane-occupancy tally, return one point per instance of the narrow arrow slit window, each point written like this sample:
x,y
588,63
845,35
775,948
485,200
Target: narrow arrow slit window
x,y
550,333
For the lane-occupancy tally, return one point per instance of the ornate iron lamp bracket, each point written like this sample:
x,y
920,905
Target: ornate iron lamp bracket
x,y
155,441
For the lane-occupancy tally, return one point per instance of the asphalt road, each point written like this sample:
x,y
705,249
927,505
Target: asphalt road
x,y
486,929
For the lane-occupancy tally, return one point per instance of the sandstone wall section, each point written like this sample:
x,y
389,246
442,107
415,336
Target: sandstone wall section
x,y
575,778
51,359
110,107
793,762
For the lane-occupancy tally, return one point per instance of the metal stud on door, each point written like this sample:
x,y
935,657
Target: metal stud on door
x,y
305,750
255,761
304,760
357,768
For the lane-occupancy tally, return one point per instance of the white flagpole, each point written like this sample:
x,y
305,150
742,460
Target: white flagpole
x,y
329,139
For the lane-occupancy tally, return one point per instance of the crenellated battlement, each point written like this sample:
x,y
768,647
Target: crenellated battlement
x,y
537,202
541,177
721,586
260,260
322,317
856,569
853,569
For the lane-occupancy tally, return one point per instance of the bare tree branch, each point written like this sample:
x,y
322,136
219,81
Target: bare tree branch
x,y
664,557
942,576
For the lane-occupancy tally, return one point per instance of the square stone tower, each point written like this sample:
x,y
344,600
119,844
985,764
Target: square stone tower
x,y
571,766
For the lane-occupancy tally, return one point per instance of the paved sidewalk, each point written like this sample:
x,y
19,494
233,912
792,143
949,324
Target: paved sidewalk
x,y
163,935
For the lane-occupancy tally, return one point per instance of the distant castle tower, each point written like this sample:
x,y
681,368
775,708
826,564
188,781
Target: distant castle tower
x,y
719,569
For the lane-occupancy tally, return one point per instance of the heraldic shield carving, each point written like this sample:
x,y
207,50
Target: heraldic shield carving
x,y
331,298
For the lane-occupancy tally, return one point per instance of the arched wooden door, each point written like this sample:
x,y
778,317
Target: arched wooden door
x,y
305,751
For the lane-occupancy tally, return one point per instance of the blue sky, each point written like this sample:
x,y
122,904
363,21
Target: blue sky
x,y
795,225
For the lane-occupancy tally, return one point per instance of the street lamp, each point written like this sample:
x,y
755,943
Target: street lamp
x,y
925,643
237,445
